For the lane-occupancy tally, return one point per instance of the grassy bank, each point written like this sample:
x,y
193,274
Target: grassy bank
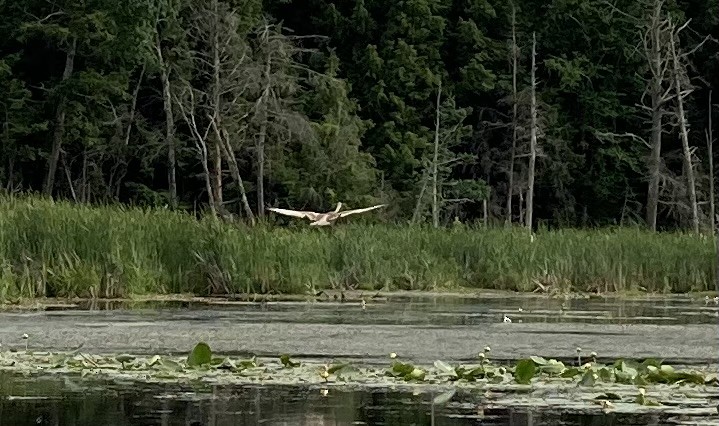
x,y
63,250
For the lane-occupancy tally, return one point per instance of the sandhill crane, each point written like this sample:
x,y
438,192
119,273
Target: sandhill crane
x,y
323,219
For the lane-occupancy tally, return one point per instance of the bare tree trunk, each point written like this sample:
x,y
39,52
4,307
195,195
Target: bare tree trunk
x,y
485,213
532,138
260,148
169,125
7,150
234,170
510,189
119,169
188,114
68,176
420,198
684,132
261,163
217,146
217,171
654,162
133,106
435,161
716,269
656,64
710,150
208,180
85,192
59,127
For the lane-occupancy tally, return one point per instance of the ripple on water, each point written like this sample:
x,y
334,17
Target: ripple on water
x,y
49,400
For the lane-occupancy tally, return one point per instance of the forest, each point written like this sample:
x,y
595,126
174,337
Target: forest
x,y
552,113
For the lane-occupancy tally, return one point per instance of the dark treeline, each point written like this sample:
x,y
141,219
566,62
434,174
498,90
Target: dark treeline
x,y
433,106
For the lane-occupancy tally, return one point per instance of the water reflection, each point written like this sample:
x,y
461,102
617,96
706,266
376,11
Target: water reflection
x,y
64,401
441,311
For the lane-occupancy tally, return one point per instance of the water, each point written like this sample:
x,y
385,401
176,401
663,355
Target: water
x,y
440,311
68,401
678,329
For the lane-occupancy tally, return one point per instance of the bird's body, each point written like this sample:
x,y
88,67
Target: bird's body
x,y
323,219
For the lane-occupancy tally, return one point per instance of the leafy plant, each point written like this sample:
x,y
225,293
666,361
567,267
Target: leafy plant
x,y
287,362
525,371
406,371
200,355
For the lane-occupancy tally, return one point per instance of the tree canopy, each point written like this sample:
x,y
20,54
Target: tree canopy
x,y
235,105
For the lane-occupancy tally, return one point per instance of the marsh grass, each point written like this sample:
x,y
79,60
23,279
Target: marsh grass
x,y
62,249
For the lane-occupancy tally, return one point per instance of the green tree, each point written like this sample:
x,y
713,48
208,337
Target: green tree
x,y
331,166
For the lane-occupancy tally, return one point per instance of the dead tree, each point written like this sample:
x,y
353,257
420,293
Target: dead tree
x,y
59,121
532,138
262,117
216,28
228,151
449,130
187,105
654,41
682,88
435,160
513,152
169,121
710,150
214,104
281,76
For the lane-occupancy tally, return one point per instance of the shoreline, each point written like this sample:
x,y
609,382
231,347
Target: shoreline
x,y
350,296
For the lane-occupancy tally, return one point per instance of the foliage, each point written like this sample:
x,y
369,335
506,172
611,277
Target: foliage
x,y
201,354
346,108
649,371
65,250
648,383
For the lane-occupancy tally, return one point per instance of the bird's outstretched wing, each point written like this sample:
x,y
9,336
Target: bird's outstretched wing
x,y
295,213
366,209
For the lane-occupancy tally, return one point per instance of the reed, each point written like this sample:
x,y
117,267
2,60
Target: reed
x,y
62,249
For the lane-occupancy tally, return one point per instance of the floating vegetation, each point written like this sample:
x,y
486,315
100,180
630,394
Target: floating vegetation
x,y
649,383
200,355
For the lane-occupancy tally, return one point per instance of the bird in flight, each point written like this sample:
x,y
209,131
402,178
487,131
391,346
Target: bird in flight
x,y
323,219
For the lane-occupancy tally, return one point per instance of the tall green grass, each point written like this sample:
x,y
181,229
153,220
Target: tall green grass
x,y
64,250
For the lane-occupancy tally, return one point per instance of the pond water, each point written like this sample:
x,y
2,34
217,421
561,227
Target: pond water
x,y
679,329
438,310
69,401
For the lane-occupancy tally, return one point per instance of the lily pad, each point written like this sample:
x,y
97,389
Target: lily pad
x,y
171,365
538,360
287,362
153,361
589,378
336,367
445,368
125,358
201,354
609,396
553,367
524,372
444,397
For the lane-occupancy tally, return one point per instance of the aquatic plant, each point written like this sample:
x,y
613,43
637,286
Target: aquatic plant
x,y
200,355
623,381
69,250
287,362
26,338
525,371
